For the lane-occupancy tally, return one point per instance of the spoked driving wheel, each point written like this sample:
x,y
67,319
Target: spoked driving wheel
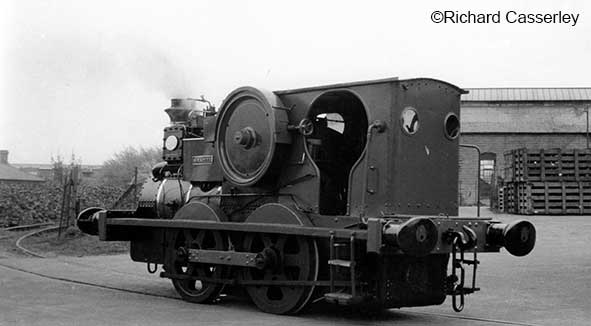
x,y
295,259
192,288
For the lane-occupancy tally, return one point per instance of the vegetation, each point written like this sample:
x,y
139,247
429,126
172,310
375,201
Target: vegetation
x,y
120,170
26,203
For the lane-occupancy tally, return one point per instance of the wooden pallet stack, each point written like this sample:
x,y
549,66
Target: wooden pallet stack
x,y
501,199
548,181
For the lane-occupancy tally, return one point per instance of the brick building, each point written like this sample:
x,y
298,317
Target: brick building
x,y
502,119
48,171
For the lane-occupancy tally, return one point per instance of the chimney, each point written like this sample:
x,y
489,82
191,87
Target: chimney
x,y
3,156
179,110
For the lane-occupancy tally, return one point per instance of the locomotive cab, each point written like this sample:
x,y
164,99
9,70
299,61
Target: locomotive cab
x,y
336,144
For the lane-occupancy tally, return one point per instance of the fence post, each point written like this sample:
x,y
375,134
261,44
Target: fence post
x,y
135,184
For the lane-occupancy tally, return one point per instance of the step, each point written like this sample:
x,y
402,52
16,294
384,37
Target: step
x,y
340,262
344,299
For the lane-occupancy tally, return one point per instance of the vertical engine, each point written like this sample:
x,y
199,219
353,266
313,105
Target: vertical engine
x,y
162,196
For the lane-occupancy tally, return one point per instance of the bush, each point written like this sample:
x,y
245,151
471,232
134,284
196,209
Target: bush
x,y
121,168
27,203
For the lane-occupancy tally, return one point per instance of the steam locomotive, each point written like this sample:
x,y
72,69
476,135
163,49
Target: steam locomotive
x,y
346,193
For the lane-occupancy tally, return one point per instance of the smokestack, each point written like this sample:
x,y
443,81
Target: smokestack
x,y
179,110
3,156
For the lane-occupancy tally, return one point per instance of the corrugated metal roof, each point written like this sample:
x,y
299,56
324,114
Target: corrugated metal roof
x,y
8,172
527,94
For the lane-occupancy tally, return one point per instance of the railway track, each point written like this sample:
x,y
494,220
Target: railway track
x,y
113,288
26,227
21,228
19,245
19,241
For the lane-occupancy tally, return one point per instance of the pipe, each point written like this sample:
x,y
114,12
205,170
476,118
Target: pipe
x,y
380,126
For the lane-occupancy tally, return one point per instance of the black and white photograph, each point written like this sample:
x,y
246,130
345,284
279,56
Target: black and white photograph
x,y
305,162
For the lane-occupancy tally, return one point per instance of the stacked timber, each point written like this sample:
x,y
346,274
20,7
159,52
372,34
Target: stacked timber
x,y
548,181
501,198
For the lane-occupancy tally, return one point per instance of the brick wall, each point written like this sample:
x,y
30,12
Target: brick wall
x,y
499,144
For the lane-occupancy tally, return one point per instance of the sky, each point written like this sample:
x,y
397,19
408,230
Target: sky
x,y
90,78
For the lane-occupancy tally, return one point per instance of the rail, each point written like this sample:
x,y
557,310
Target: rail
x,y
28,251
172,297
26,227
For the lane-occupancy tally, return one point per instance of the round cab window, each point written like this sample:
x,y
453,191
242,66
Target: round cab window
x,y
452,126
410,120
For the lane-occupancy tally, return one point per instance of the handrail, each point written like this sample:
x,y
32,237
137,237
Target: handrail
x,y
477,177
380,126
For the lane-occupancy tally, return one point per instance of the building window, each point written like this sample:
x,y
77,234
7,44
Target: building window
x,y
487,167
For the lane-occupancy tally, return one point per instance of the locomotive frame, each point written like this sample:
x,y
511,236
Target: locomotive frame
x,y
344,192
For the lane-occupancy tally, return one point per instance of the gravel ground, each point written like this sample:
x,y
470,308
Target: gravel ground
x,y
71,243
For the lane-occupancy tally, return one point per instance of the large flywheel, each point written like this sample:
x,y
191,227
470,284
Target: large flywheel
x,y
194,283
296,259
252,129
